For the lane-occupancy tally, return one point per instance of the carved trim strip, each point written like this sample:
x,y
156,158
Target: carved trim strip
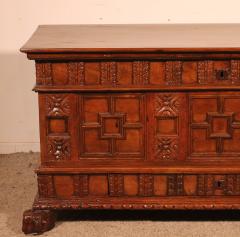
x,y
132,204
201,72
175,184
173,73
45,186
108,73
59,147
141,72
57,105
76,73
116,184
146,185
235,71
80,183
44,73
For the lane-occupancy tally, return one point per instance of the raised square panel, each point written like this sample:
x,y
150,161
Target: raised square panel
x,y
201,143
201,106
220,125
94,145
232,145
132,144
232,104
57,125
130,105
167,126
111,125
92,106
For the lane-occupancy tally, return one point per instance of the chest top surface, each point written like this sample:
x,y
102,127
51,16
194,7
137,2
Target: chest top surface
x,y
134,38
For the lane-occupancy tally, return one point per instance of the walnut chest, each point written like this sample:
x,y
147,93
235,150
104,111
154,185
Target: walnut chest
x,y
136,117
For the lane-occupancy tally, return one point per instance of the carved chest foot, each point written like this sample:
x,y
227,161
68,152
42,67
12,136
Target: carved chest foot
x,y
38,221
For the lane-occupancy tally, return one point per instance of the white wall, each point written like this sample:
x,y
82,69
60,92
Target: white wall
x,y
19,18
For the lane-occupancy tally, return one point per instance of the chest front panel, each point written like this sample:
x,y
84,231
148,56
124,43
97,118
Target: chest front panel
x,y
152,126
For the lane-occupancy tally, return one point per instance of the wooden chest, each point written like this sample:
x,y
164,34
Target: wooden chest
x,y
136,117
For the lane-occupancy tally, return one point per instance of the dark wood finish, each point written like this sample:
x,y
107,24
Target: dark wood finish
x,y
38,221
132,122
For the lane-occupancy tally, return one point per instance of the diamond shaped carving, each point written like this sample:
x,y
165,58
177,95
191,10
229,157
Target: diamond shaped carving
x,y
112,125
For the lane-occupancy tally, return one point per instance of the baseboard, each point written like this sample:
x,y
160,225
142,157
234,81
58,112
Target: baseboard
x,y
12,147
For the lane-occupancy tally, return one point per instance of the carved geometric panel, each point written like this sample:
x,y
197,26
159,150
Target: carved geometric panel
x,y
112,126
215,125
58,126
167,113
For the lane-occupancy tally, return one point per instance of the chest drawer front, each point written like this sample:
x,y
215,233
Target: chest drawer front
x,y
144,74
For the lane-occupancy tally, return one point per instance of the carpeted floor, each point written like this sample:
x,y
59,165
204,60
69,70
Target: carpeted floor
x,y
18,188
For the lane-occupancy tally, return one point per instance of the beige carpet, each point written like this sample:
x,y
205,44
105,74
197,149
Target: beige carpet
x,y
18,188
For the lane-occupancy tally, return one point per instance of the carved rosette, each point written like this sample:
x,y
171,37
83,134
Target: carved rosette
x,y
57,105
141,72
59,147
167,105
166,148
